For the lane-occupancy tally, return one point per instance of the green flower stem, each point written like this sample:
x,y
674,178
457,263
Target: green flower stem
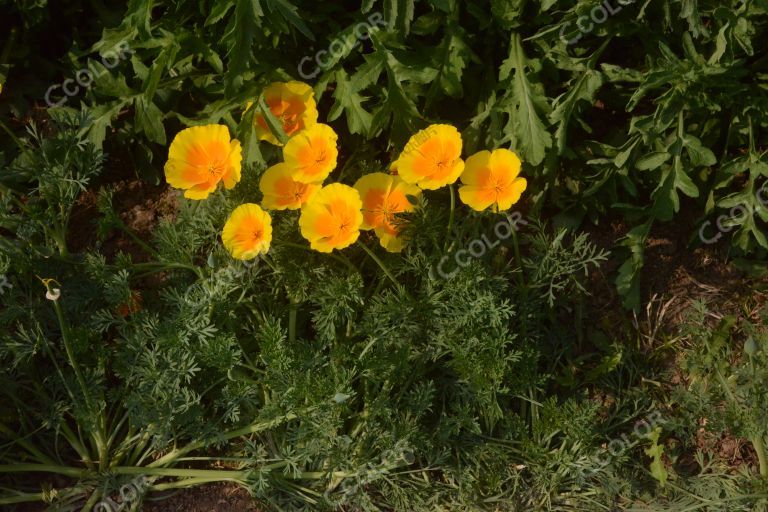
x,y
141,243
250,429
191,482
99,437
181,473
93,499
153,267
195,205
22,498
13,136
450,216
68,347
380,263
77,444
43,468
61,242
24,443
272,122
338,258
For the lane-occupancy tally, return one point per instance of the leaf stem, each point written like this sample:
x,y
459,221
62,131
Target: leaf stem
x,y
380,263
250,429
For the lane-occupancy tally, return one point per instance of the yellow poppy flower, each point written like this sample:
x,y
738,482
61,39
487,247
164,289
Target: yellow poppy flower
x,y
384,196
202,156
311,154
491,178
281,191
247,232
432,157
332,218
293,103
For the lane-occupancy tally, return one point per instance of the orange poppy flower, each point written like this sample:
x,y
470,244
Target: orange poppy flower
x,y
281,191
432,157
293,103
247,232
202,156
491,179
311,154
331,219
384,196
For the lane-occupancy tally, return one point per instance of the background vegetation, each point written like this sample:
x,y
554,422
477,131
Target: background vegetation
x,y
316,382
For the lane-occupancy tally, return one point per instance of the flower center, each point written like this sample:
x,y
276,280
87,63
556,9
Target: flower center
x,y
299,191
215,169
256,235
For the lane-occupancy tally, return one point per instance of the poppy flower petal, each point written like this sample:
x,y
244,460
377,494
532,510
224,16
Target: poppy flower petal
x,y
247,232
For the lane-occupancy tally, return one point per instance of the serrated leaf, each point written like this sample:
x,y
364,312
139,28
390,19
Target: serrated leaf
x,y
218,11
240,32
656,451
697,153
347,99
149,120
584,89
289,11
531,135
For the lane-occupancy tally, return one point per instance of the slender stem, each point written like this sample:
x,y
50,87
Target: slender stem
x,y
93,499
159,266
24,443
180,472
759,445
99,436
70,353
13,136
273,123
250,429
42,468
450,216
191,482
195,205
22,498
521,283
61,242
144,245
338,258
380,263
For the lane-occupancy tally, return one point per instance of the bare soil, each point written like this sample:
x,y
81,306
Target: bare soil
x,y
207,498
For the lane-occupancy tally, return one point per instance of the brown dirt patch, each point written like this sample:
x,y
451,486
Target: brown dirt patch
x,y
207,498
139,205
